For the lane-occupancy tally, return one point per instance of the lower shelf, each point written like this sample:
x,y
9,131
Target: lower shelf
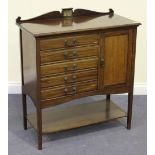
x,y
55,119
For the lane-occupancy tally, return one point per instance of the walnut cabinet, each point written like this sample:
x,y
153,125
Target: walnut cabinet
x,y
70,55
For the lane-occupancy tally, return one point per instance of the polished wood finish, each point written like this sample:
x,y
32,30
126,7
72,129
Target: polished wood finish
x,y
57,14
115,57
24,111
69,78
67,42
38,116
66,58
84,12
80,24
108,96
71,66
29,66
59,119
70,90
22,75
50,56
130,93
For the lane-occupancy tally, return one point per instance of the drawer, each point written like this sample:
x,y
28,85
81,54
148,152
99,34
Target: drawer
x,y
67,67
67,42
68,90
69,78
50,56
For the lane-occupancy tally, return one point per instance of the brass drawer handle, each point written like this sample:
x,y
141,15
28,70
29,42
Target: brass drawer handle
x,y
65,78
67,55
73,68
70,93
74,78
70,43
102,62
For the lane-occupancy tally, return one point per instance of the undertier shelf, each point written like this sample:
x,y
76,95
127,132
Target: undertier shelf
x,y
59,119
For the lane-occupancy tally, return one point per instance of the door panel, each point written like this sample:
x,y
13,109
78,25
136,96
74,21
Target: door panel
x,y
115,55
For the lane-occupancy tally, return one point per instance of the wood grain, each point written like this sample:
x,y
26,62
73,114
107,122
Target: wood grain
x,y
29,65
68,41
57,15
82,24
60,67
69,54
56,92
69,78
115,57
74,116
66,59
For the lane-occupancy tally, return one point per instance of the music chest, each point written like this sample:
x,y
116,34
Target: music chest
x,y
74,54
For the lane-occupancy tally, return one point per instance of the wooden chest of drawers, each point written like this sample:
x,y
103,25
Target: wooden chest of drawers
x,y
88,53
68,65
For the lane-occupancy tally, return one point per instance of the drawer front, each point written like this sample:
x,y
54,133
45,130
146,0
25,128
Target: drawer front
x,y
67,67
51,56
68,90
68,42
69,78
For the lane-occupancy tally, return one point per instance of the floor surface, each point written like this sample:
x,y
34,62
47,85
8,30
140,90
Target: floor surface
x,y
111,138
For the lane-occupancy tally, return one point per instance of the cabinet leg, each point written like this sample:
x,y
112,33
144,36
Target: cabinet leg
x,y
24,111
107,105
108,97
39,128
129,117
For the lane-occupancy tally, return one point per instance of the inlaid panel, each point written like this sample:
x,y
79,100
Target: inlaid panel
x,y
115,59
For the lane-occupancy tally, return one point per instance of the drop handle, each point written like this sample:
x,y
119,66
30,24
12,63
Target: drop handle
x,y
73,68
70,55
102,62
73,92
74,78
65,78
70,43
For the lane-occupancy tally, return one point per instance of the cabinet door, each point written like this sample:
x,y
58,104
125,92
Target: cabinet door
x,y
115,55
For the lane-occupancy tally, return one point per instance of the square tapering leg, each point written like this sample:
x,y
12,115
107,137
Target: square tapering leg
x,y
39,128
129,117
24,111
108,104
108,97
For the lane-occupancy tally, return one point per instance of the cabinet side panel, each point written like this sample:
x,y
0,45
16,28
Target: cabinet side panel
x,y
29,65
115,55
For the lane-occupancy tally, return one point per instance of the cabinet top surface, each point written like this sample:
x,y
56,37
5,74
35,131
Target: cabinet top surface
x,y
48,26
